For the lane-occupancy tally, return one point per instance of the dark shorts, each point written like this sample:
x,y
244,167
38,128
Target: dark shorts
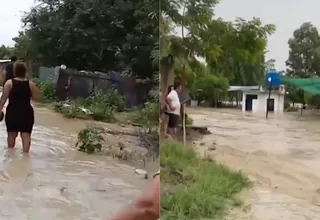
x,y
173,120
19,119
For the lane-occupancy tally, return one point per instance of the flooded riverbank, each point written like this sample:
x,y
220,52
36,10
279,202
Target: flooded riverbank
x,y
280,154
56,181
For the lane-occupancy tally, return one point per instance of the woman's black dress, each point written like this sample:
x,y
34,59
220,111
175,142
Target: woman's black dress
x,y
19,113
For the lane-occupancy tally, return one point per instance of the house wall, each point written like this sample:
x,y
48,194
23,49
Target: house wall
x,y
260,105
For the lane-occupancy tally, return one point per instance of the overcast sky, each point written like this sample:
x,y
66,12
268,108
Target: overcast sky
x,y
10,19
287,15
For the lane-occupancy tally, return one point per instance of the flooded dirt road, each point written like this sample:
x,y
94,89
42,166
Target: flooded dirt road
x,y
56,182
280,154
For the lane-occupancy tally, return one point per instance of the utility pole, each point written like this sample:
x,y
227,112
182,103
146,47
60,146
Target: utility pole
x,y
270,87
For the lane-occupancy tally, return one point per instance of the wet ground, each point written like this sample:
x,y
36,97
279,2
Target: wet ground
x,y
56,181
280,154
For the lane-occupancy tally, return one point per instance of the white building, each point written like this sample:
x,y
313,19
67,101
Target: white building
x,y
256,100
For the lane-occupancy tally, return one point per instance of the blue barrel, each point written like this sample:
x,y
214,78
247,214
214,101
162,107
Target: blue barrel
x,y
275,79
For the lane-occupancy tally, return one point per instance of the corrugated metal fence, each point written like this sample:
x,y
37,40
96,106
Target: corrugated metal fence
x,y
71,83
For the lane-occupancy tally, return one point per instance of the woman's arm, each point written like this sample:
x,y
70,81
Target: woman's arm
x,y
5,93
146,207
35,92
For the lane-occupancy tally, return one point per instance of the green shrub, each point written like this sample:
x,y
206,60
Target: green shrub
x,y
46,88
90,140
195,188
83,102
102,113
148,116
100,105
189,121
110,99
104,104
68,111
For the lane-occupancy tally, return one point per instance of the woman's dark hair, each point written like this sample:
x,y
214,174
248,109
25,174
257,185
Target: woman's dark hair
x,y
19,69
170,88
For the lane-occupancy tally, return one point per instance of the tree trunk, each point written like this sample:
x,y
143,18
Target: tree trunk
x,y
166,74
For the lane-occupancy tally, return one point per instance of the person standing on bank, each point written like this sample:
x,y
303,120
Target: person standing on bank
x,y
19,116
173,110
8,71
164,119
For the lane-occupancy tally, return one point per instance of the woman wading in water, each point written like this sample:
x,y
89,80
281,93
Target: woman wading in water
x,y
19,116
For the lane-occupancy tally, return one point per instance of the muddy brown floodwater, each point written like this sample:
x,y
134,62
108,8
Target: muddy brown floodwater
x,y
280,154
56,181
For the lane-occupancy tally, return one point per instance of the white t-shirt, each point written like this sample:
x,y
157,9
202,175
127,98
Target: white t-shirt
x,y
175,103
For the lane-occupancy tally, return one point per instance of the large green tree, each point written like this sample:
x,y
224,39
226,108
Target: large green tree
x,y
243,60
5,52
303,61
304,52
92,34
233,52
21,47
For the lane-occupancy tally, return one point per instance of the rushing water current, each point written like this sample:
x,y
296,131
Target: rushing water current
x,y
55,181
280,154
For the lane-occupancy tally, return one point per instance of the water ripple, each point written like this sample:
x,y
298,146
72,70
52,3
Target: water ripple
x,y
57,182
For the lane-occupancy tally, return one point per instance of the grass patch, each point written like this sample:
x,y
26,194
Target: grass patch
x,y
194,188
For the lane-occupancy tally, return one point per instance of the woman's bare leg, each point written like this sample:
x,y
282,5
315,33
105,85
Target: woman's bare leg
x,y
26,141
162,122
11,139
165,125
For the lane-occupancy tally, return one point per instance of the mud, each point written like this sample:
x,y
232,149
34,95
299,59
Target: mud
x,y
56,181
280,154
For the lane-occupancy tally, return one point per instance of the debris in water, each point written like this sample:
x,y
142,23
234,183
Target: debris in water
x,y
142,173
121,145
101,190
63,189
66,105
86,111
